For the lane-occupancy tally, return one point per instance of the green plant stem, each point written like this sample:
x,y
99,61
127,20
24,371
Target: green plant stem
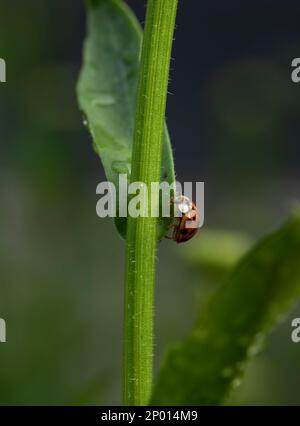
x,y
142,231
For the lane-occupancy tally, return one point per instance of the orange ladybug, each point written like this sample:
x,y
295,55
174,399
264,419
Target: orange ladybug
x,y
187,225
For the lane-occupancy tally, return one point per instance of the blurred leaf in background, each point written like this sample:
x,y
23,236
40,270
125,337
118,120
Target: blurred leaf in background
x,y
232,325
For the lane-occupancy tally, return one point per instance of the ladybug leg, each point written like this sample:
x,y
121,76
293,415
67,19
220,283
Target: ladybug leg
x,y
171,235
172,229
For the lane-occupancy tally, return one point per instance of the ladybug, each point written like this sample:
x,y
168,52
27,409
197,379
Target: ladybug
x,y
185,226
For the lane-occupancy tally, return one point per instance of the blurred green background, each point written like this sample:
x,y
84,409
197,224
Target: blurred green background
x,y
234,121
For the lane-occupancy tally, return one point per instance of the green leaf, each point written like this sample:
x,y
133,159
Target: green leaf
x,y
232,325
107,91
216,252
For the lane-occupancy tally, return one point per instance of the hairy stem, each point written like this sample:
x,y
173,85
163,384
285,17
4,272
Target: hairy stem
x,y
142,231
